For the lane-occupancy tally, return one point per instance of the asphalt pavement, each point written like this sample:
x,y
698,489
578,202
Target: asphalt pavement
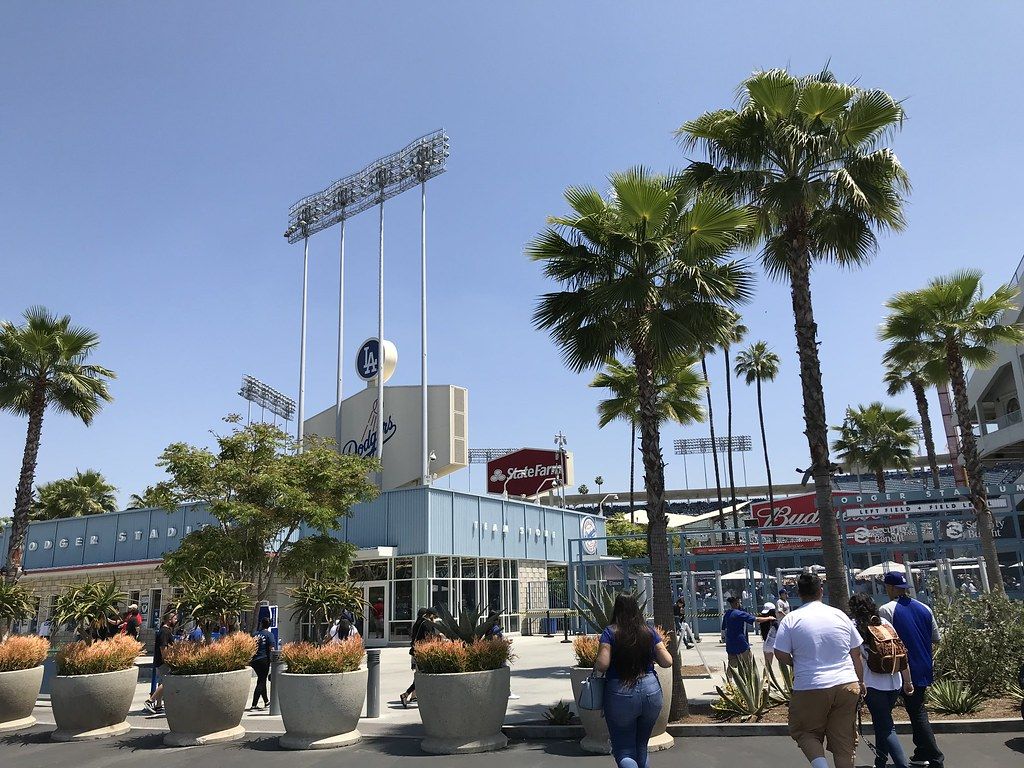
x,y
33,749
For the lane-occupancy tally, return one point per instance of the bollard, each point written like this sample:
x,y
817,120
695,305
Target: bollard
x,y
373,682
565,629
276,668
548,631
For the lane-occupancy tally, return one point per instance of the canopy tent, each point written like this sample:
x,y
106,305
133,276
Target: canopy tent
x,y
881,569
743,574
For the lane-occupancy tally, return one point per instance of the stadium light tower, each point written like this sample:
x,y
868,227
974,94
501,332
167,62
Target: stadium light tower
x,y
384,178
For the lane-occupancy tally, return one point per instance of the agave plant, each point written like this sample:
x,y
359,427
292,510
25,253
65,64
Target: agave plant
x,y
89,607
560,714
470,625
745,696
596,606
780,686
954,697
210,596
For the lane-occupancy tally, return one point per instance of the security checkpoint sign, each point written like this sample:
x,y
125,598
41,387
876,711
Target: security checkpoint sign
x,y
529,472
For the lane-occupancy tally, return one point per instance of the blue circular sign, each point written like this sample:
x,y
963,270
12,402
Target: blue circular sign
x,y
588,532
368,360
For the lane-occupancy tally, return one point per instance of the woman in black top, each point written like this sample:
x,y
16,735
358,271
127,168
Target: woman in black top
x,y
422,629
261,662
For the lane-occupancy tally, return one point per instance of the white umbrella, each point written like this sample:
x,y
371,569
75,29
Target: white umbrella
x,y
881,569
742,575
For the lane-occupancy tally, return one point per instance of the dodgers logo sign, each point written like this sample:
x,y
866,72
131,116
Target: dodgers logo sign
x,y
588,532
368,360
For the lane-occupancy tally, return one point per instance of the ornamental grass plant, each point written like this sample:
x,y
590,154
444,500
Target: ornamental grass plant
x,y
228,654
329,659
439,656
94,658
585,647
23,652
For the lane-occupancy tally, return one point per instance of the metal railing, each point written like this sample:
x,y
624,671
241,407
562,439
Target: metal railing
x,y
1008,420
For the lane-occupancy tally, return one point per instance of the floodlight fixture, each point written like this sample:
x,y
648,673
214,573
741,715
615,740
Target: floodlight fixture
x,y
703,445
484,455
255,391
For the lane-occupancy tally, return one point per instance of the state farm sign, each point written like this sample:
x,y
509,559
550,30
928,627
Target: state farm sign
x,y
528,472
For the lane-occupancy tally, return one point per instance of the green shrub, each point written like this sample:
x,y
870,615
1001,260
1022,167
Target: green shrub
x,y
745,696
226,655
982,641
780,684
560,714
92,658
954,697
22,652
329,659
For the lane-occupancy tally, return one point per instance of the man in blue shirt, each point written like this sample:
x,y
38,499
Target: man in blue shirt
x,y
734,629
916,626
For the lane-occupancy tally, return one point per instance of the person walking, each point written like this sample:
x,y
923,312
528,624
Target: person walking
x,y
734,630
915,623
422,629
769,629
633,697
164,639
132,622
883,689
260,663
682,628
782,604
822,645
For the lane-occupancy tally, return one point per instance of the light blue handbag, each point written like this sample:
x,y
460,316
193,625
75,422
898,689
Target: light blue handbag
x,y
591,693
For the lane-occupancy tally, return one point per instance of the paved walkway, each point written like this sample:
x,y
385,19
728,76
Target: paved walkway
x,y
540,678
33,749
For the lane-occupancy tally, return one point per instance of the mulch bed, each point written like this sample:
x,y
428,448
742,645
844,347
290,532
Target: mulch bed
x,y
992,709
694,671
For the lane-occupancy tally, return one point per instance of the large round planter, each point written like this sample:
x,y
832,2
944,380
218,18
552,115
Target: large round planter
x,y
18,691
204,709
463,712
321,711
595,728
92,706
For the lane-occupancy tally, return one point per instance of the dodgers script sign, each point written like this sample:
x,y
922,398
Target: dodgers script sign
x,y
528,472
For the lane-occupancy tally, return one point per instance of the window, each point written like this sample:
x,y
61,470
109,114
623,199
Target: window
x,y
133,597
403,568
442,567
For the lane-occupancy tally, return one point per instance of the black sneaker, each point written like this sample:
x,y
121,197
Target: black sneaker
x,y
151,707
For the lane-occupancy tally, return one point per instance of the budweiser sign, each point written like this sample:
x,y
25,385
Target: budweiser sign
x,y
528,472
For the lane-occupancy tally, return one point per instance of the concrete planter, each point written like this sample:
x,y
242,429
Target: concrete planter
x,y
204,709
595,728
18,691
321,711
463,712
92,706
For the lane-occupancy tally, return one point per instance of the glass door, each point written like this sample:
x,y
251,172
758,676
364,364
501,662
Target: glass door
x,y
375,614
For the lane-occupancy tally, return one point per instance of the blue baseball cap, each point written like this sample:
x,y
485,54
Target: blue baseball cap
x,y
896,579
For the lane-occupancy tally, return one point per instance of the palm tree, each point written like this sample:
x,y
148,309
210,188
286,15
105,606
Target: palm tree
x,y
808,154
644,274
733,335
917,374
678,387
758,363
43,364
85,493
953,320
153,497
583,490
598,481
876,437
705,350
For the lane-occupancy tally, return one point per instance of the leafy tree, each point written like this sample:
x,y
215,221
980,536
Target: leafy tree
x,y
808,154
876,437
758,363
151,498
84,493
629,549
733,335
265,496
44,364
645,274
677,386
953,321
917,373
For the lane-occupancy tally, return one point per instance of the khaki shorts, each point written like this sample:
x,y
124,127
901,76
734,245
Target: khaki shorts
x,y
735,659
826,718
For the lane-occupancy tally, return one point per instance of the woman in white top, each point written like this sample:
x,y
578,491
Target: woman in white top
x,y
768,631
883,690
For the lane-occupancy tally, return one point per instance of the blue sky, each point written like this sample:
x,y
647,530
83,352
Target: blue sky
x,y
150,153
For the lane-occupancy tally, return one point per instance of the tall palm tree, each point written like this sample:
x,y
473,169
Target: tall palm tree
x,y
876,437
705,350
955,322
808,154
733,335
917,374
678,388
645,274
758,363
84,493
151,497
44,364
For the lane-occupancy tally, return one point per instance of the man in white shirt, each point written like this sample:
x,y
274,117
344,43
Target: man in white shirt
x,y
822,645
782,604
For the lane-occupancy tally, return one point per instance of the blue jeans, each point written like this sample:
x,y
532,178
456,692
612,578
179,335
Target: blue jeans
x,y
631,713
925,747
887,744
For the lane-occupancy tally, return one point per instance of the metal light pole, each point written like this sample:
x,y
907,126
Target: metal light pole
x,y
302,337
424,450
341,336
380,339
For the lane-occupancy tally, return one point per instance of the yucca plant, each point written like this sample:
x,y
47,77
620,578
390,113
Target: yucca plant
x,y
745,696
1016,692
16,604
596,606
954,697
780,686
323,599
89,607
468,627
213,597
560,714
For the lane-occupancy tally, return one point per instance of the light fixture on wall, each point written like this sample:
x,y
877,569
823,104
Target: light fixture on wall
x,y
504,530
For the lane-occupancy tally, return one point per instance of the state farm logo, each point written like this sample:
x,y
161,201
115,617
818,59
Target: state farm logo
x,y
497,476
